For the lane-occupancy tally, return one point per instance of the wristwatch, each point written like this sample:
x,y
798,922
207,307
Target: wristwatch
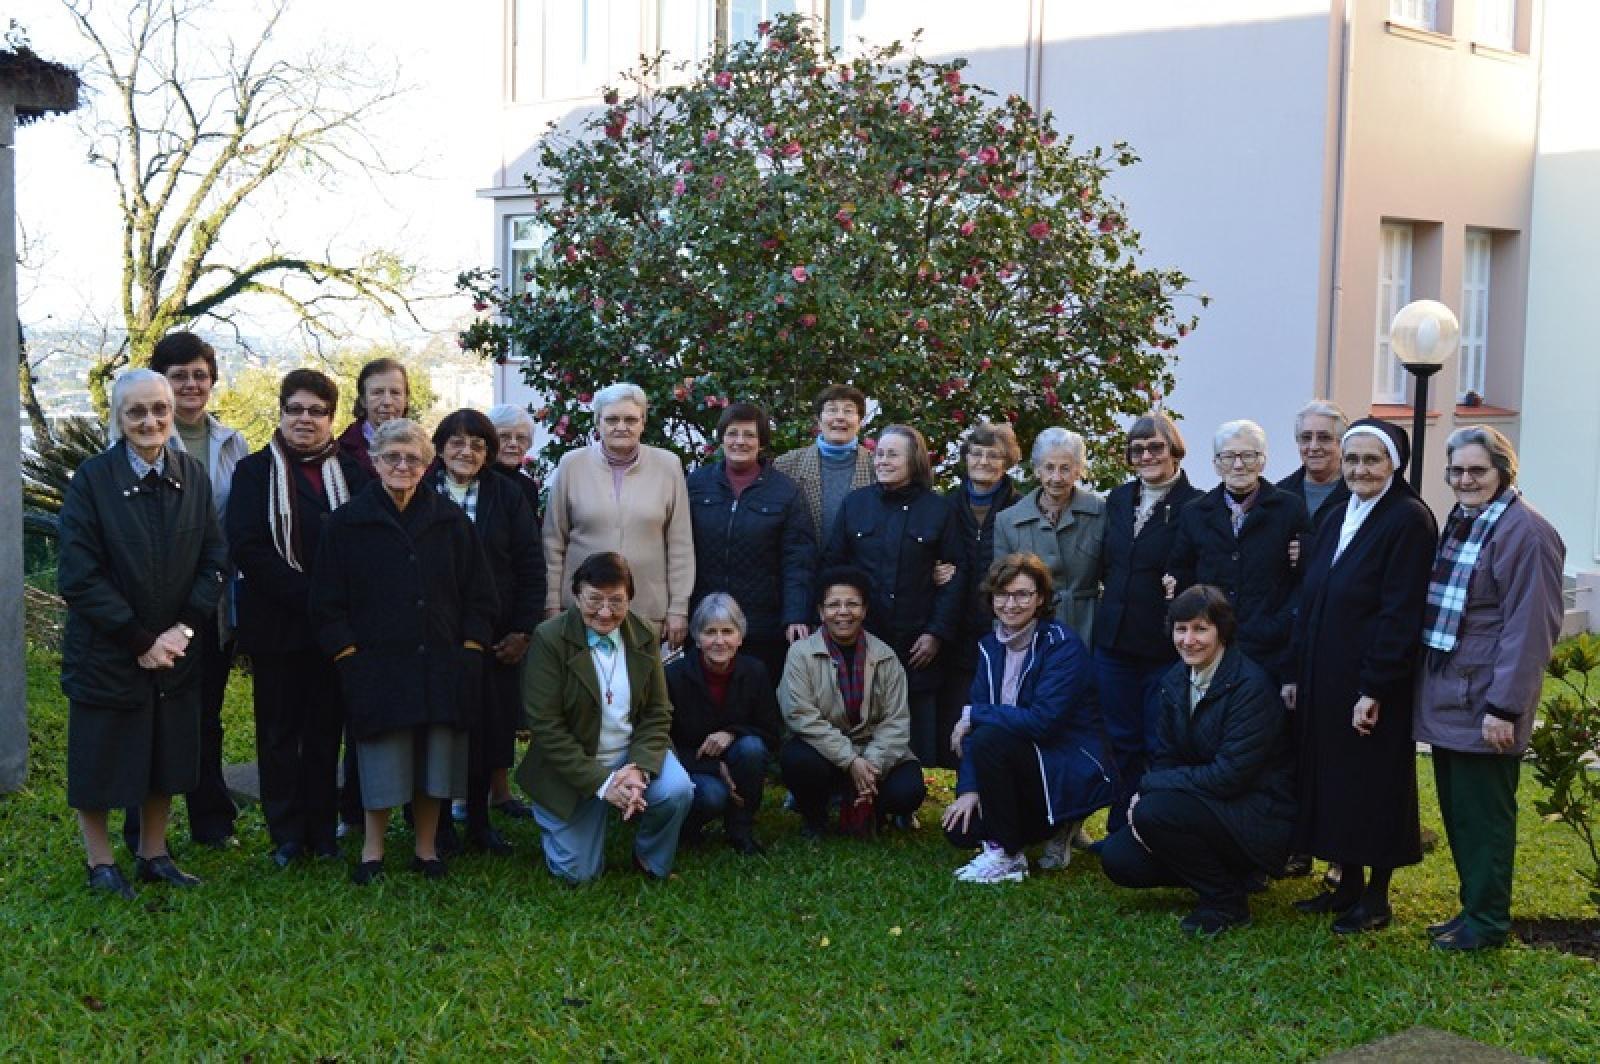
x,y
188,633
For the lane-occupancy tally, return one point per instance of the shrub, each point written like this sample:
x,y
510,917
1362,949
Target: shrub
x,y
1565,747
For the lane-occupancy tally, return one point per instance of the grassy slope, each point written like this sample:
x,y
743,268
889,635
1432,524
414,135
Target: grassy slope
x,y
842,951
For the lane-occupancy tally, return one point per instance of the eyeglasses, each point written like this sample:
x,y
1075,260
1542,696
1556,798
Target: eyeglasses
x,y
515,439
595,602
185,376
140,411
1229,459
1476,472
840,605
984,454
302,410
1155,449
1305,439
396,460
837,408
631,421
466,443
1019,597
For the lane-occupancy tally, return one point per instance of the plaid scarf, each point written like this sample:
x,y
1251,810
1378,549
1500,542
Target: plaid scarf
x,y
469,501
1463,540
851,673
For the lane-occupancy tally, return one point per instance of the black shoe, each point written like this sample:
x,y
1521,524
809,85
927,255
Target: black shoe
x,y
1206,922
746,845
446,840
1329,901
1362,918
1296,866
429,867
108,879
489,841
287,854
1464,939
1447,927
514,808
367,872
162,870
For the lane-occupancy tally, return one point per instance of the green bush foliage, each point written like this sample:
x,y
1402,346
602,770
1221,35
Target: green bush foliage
x,y
1566,747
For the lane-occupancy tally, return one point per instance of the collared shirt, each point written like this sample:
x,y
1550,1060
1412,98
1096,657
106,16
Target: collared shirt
x,y
611,674
1200,681
142,469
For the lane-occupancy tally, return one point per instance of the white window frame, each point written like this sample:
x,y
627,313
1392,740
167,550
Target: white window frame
x,y
1423,14
1477,267
1395,243
549,62
1497,24
515,246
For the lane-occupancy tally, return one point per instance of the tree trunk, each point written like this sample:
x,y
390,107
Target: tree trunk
x,y
44,440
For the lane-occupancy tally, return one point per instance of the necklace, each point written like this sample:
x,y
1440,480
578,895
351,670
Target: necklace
x,y
606,674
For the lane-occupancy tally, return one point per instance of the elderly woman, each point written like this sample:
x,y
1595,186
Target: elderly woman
x,y
141,568
403,602
1133,650
282,496
596,701
1319,481
383,393
1493,612
1215,810
190,366
1360,618
513,426
1060,522
724,722
1237,537
844,700
752,537
1029,740
984,492
467,445
898,530
836,464
620,495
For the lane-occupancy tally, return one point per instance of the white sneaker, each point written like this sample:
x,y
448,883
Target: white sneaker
x,y
994,865
1058,851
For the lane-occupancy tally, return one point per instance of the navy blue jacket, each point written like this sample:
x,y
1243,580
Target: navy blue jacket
x,y
1055,712
1132,618
977,611
757,548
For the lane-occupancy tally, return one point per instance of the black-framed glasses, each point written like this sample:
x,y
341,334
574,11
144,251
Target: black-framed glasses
x,y
1154,448
140,411
1476,472
303,410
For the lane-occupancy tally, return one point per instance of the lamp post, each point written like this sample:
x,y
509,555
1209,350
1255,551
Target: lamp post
x,y
1422,336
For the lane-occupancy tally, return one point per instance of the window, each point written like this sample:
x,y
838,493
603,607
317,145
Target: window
x,y
744,16
845,18
1394,292
686,29
1424,14
526,235
1497,23
560,48
1475,273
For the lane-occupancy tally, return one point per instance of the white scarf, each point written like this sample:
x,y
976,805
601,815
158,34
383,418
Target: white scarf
x,y
1356,512
280,498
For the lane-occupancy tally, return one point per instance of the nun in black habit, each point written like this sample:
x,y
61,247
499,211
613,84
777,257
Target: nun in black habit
x,y
1357,636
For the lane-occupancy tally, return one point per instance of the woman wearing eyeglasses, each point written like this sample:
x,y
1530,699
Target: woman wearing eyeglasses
x,y
597,704
282,496
403,603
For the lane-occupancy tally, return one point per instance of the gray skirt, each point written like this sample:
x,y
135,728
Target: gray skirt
x,y
395,765
119,757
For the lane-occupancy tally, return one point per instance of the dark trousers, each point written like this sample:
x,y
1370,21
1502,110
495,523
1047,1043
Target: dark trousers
x,y
925,725
1188,847
746,758
1130,705
210,807
812,779
299,713
1010,789
1478,800
952,699
351,811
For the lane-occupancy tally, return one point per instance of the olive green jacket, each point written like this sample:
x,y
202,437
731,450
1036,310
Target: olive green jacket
x,y
561,705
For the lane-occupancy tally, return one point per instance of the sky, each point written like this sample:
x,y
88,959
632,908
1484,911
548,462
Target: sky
x,y
442,129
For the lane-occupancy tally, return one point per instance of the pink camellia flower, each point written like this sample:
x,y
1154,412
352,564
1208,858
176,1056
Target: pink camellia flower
x,y
718,180
904,107
921,325
863,135
1183,330
1048,139
988,156
769,130
952,78
1109,224
566,378
749,317
611,97
571,254
808,320
783,335
999,129
686,167
770,244
780,299
724,79
870,443
958,416
1006,192
678,187
969,281
968,228
776,45
791,149
480,306
985,364
710,137
962,153
763,28
800,274
680,393
1039,230
935,132
844,220
585,397
599,303
1055,308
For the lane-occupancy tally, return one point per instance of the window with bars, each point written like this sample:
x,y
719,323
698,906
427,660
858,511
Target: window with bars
x,y
1497,23
1424,14
1476,266
1394,292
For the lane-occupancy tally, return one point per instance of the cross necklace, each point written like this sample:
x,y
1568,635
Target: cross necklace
x,y
606,674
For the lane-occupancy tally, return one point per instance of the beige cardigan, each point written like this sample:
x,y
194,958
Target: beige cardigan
x,y
649,526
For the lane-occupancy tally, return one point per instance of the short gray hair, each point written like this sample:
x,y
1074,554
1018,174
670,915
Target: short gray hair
x,y
510,416
1054,438
1322,408
1501,454
119,396
622,391
714,608
401,430
1229,430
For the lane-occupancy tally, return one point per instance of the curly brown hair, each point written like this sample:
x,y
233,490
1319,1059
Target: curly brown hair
x,y
1004,570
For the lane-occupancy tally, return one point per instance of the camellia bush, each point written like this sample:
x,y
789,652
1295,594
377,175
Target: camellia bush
x,y
786,218
1565,746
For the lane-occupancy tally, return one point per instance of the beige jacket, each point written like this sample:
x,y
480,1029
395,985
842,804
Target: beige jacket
x,y
813,708
649,525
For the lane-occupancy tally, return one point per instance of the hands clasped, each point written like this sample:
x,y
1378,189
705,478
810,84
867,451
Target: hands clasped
x,y
626,790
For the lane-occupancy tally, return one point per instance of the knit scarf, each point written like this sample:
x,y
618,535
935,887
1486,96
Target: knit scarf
x,y
283,502
1463,540
1017,642
852,676
1238,508
837,450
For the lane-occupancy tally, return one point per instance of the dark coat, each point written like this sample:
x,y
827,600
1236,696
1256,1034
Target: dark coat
x,y
353,442
977,611
509,534
751,707
1253,568
757,548
1359,632
526,485
1055,712
1232,753
136,558
1132,618
407,589
897,537
1295,483
274,600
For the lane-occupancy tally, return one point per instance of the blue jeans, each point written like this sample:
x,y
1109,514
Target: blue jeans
x,y
575,849
746,758
1130,705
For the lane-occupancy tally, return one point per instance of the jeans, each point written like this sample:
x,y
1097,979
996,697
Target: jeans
x,y
574,849
746,758
1130,705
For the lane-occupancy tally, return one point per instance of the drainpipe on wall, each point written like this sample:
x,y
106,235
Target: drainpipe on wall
x,y
1335,256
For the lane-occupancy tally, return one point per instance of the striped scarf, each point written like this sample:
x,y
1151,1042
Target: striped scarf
x,y
1463,540
282,498
851,673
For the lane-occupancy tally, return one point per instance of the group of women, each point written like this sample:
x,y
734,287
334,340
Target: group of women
x,y
1237,675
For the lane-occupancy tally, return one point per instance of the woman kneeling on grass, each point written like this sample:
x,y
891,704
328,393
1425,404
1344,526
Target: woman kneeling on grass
x,y
1032,761
1216,809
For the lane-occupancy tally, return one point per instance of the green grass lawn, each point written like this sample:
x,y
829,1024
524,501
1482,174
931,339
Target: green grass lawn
x,y
836,951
